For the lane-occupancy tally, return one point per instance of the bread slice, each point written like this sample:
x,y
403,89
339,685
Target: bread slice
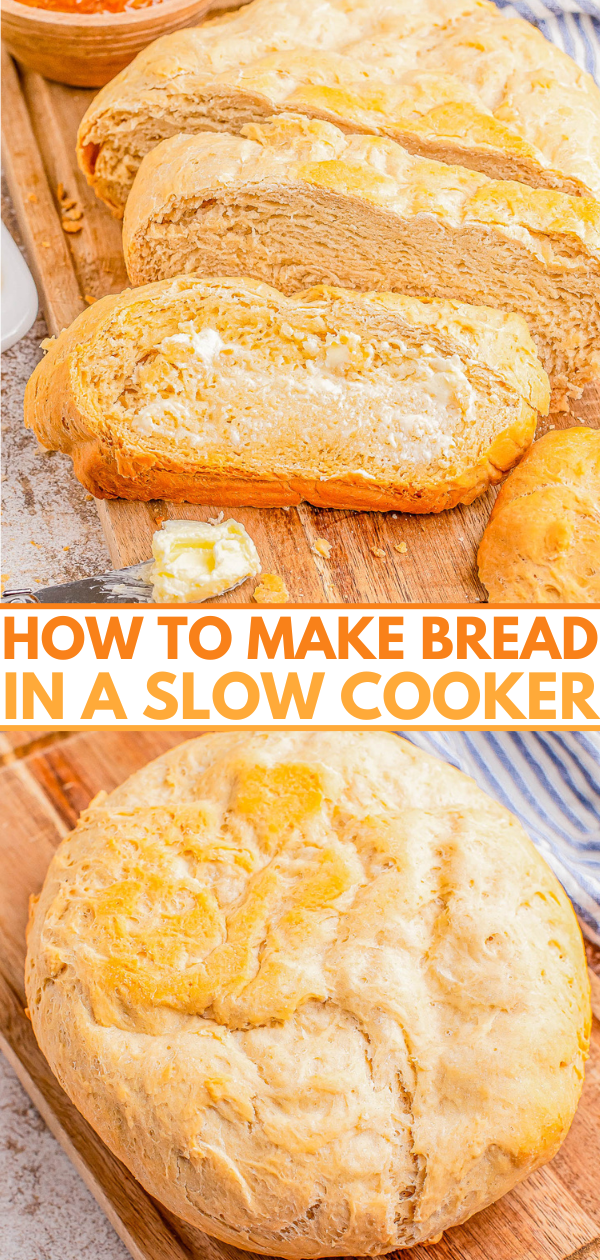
x,y
454,80
225,391
297,203
542,542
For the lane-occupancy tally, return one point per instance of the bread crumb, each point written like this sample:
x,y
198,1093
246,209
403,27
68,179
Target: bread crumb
x,y
71,212
271,590
27,1013
87,297
378,551
34,544
66,548
321,547
47,342
46,244
401,547
88,498
32,197
216,520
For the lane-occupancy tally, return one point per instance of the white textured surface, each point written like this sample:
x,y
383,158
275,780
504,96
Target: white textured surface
x,y
19,294
46,1212
50,530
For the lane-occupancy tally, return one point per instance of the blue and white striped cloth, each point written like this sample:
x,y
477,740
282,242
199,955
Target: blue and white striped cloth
x,y
551,782
572,24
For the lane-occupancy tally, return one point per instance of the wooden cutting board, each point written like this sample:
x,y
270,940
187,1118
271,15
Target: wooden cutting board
x,y
45,780
40,121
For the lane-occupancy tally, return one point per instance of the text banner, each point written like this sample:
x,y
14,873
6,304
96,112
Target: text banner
x,y
322,667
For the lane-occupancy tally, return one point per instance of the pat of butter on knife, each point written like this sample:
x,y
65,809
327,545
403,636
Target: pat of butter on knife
x,y
194,560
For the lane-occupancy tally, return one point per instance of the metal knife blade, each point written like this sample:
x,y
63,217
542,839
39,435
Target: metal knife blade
x,y
119,586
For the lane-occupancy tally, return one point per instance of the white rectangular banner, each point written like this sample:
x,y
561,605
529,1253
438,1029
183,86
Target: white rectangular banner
x,y
318,666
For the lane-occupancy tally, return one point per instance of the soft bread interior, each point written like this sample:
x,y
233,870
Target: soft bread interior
x,y
250,385
299,204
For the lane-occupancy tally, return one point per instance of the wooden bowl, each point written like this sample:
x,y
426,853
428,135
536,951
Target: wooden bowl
x,y
86,50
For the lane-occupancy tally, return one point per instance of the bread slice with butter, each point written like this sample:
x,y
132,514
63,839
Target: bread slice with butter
x,y
454,80
298,202
226,391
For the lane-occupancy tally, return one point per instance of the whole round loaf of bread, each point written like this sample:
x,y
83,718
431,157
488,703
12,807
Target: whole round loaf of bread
x,y
317,991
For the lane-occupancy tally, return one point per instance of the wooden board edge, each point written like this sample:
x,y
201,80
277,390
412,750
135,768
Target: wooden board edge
x,y
38,219
12,749
147,1237
595,992
590,1251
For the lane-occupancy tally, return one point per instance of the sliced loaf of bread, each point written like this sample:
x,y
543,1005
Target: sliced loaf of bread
x,y
298,202
455,80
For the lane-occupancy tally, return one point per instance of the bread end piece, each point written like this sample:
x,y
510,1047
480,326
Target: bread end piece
x,y
542,542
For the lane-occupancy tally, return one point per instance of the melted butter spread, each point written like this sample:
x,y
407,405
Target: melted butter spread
x,y
276,401
194,560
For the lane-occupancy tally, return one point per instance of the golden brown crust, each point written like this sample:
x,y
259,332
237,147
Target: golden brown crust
x,y
542,542
452,80
299,202
117,462
350,1006
93,467
290,148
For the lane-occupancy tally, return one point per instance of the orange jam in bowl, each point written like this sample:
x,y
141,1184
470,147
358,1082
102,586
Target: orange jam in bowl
x,y
95,7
